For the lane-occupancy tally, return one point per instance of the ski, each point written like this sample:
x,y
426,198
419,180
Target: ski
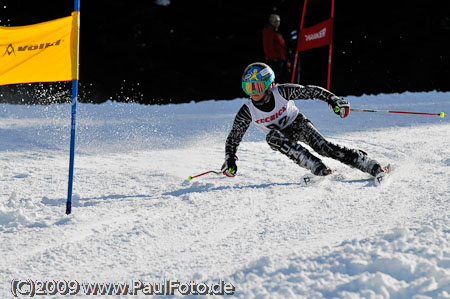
x,y
309,179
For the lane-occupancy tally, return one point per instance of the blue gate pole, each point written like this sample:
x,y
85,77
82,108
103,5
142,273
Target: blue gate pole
x,y
72,145
72,132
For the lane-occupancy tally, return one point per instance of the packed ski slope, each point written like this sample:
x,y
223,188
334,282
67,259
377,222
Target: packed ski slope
x,y
136,217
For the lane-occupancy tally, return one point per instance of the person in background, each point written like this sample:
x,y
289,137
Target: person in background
x,y
275,49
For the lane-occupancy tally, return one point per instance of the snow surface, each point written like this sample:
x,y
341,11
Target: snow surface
x,y
136,217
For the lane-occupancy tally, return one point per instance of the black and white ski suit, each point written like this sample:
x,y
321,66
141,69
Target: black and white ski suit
x,y
278,117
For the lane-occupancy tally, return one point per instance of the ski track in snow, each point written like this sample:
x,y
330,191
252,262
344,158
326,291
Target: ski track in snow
x,y
135,216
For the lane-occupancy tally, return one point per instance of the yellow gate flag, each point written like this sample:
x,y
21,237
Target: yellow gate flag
x,y
44,52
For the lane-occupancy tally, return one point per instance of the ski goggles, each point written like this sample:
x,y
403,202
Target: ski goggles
x,y
258,87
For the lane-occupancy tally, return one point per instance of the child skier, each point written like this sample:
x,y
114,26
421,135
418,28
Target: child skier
x,y
272,110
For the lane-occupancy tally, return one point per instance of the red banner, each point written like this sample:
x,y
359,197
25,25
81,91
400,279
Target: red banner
x,y
313,37
316,36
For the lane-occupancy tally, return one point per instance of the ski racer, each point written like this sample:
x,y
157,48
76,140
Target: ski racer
x,y
272,110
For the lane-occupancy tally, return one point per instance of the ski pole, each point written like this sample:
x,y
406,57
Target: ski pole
x,y
196,176
442,114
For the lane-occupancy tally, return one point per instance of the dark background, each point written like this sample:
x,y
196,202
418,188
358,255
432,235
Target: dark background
x,y
197,50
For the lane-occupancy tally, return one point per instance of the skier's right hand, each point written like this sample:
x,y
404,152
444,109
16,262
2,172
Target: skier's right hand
x,y
229,167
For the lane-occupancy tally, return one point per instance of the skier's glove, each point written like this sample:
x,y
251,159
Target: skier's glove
x,y
340,106
229,167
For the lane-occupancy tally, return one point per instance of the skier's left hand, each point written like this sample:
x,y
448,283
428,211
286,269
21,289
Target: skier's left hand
x,y
340,106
